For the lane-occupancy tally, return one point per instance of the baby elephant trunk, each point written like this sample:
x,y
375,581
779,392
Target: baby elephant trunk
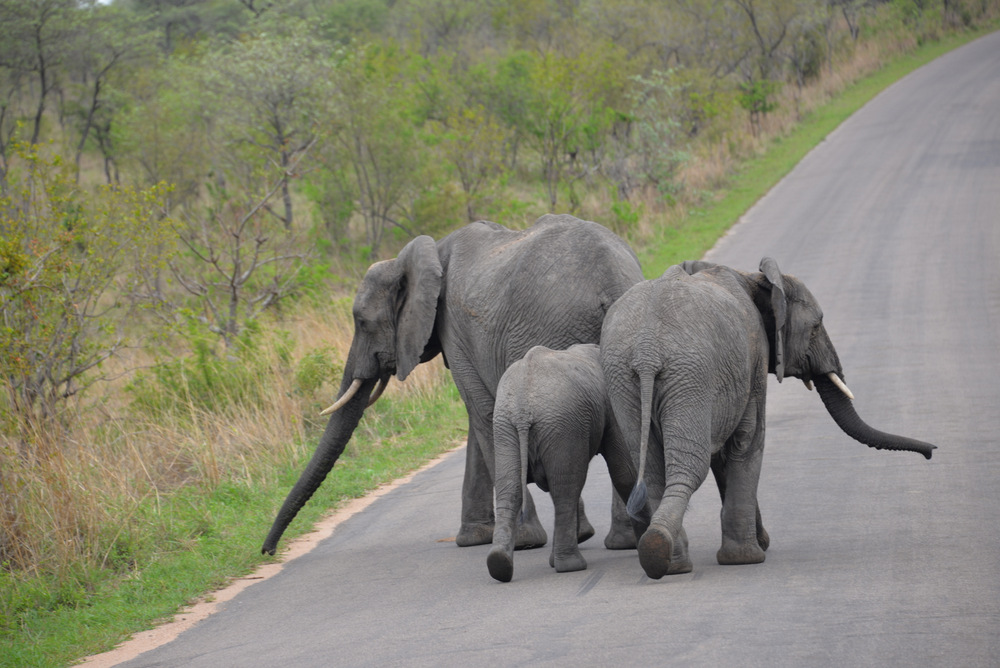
x,y
841,409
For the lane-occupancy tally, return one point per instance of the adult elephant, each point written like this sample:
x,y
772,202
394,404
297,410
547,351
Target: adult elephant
x,y
481,296
688,354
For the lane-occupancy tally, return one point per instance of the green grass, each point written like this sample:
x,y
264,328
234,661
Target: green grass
x,y
699,231
209,538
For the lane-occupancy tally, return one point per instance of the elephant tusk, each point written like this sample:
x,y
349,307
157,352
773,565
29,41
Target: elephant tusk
x,y
808,384
835,379
351,391
379,389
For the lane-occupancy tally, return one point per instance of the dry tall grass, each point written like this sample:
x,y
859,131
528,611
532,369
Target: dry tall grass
x,y
72,493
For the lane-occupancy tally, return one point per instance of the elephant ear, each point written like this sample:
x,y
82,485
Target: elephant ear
x,y
779,307
419,290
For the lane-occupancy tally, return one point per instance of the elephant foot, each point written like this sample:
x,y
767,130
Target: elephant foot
x,y
568,563
660,555
474,534
500,561
585,531
763,539
620,538
732,553
530,535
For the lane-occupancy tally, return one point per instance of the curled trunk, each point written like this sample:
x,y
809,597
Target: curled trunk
x,y
338,432
842,411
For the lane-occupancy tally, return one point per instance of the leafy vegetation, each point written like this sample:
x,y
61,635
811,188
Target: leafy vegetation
x,y
190,191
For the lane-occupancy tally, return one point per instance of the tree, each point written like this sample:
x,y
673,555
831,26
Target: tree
x,y
472,141
372,129
236,262
163,133
109,40
37,34
268,91
568,114
68,263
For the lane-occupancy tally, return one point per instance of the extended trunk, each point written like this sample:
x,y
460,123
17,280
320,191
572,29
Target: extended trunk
x,y
842,411
338,432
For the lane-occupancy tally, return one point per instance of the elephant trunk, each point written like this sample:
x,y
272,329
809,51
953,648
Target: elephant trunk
x,y
338,432
841,409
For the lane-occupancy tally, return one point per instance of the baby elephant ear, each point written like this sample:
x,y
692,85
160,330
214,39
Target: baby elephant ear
x,y
779,308
419,287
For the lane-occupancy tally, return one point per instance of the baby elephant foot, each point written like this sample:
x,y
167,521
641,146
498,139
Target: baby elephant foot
x,y
660,554
567,563
530,535
474,534
500,561
732,553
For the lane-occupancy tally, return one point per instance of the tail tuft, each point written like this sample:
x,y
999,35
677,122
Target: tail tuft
x,y
636,506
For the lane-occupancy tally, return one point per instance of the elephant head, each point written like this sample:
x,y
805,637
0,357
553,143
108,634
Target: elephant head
x,y
394,314
800,347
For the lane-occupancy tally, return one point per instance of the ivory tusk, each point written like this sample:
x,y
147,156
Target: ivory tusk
x,y
808,384
379,389
351,391
835,379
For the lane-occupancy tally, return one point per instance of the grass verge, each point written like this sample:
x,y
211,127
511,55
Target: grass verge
x,y
701,228
213,537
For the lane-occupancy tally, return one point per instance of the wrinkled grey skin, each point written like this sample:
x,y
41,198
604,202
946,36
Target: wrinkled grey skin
x,y
481,296
552,416
688,354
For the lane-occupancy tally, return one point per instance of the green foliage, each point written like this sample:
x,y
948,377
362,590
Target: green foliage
x,y
626,216
758,98
352,20
209,380
317,367
69,262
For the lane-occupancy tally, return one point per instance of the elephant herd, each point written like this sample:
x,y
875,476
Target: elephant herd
x,y
560,351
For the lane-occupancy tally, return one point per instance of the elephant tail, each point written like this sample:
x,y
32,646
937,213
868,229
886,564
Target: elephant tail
x,y
636,506
522,438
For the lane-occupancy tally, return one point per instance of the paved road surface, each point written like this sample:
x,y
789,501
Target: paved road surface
x,y
877,559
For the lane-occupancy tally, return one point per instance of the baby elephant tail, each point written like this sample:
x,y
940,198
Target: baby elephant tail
x,y
522,437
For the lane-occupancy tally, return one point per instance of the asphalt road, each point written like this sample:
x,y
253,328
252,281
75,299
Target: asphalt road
x,y
876,558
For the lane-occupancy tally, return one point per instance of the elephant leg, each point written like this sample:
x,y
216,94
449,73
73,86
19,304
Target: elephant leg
x,y
530,533
566,556
509,497
585,530
624,534
477,487
477,497
741,527
719,472
621,535
663,548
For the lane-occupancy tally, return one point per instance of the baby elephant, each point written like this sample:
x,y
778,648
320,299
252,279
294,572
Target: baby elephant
x,y
552,415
